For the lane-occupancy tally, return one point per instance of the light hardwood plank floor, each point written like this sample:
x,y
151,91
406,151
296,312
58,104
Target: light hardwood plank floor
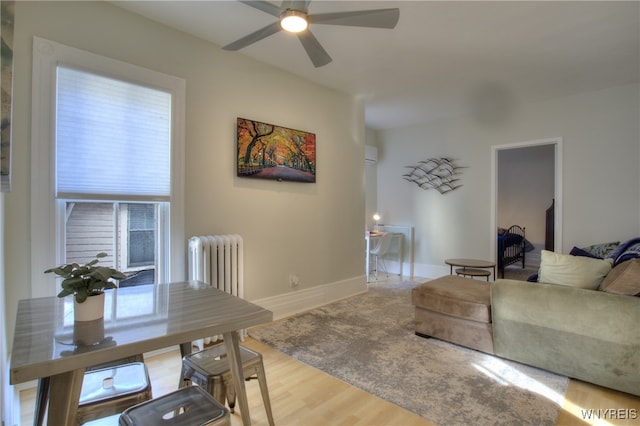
x,y
300,395
303,395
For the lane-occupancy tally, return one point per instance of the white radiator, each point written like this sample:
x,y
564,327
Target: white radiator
x,y
218,260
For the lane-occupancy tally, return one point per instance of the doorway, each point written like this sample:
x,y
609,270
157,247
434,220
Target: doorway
x,y
500,215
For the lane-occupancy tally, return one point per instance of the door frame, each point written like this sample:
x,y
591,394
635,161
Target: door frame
x,y
495,149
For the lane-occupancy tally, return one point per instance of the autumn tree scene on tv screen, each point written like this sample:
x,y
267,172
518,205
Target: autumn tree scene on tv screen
x,y
267,151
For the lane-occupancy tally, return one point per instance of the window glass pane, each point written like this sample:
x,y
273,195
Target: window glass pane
x,y
113,138
141,248
142,232
127,232
90,229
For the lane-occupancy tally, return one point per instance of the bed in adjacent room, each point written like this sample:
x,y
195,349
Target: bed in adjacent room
x,y
512,247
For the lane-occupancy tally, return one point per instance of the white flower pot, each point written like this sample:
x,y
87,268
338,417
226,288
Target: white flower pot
x,y
89,310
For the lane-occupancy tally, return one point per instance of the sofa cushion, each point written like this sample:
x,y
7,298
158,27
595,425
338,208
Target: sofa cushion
x,y
588,335
623,279
572,271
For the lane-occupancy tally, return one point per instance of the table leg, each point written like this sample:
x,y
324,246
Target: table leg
x,y
367,258
42,399
400,255
186,349
235,365
64,395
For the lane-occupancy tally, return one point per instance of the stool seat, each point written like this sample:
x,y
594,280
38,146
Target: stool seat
x,y
110,390
189,406
209,368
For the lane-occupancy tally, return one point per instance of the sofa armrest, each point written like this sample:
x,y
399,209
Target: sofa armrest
x,y
584,334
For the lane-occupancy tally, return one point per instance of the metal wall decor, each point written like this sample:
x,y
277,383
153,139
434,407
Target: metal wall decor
x,y
437,173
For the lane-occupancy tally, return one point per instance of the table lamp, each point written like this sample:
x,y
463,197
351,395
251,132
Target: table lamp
x,y
376,217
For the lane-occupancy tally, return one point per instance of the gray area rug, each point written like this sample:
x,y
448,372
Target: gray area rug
x,y
368,341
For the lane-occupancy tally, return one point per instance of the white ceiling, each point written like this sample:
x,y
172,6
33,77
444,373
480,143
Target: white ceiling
x,y
443,58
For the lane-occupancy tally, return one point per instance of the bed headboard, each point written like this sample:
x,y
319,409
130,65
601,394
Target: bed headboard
x,y
549,241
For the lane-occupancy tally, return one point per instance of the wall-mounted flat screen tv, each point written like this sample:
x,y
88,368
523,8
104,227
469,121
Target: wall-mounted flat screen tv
x,y
267,151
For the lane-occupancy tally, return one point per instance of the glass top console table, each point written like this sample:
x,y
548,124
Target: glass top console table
x,y
46,343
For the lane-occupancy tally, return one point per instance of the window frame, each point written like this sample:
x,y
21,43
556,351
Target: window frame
x,y
47,224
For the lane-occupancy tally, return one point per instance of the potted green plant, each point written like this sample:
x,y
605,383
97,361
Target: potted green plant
x,y
87,284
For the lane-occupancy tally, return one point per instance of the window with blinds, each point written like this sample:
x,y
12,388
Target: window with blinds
x,y
113,144
107,159
113,138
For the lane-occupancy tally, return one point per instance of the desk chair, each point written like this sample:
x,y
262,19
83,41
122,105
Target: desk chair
x,y
209,368
378,252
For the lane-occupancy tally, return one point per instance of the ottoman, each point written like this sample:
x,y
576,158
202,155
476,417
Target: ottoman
x,y
455,309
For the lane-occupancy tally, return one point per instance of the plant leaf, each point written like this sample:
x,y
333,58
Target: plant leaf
x,y
81,295
64,293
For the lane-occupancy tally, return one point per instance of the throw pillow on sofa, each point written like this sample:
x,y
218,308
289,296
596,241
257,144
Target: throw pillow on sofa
x,y
623,279
602,250
572,271
576,251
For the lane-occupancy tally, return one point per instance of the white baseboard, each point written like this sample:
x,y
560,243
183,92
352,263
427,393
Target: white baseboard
x,y
420,270
285,305
430,271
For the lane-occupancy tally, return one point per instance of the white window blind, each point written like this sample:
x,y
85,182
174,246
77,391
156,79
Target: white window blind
x,y
113,138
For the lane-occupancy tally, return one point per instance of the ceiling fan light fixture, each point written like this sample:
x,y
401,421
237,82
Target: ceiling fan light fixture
x,y
293,21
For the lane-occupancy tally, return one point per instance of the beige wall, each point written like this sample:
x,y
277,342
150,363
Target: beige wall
x,y
600,181
312,230
6,394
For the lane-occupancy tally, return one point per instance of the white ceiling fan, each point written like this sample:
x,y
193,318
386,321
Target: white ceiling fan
x,y
293,17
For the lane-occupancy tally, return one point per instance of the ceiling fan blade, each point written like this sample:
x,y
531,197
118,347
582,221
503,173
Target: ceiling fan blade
x,y
316,52
376,18
264,6
254,36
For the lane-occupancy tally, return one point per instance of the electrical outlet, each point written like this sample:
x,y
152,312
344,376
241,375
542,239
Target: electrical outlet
x,y
294,280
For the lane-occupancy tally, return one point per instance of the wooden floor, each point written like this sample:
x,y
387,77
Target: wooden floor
x,y
303,395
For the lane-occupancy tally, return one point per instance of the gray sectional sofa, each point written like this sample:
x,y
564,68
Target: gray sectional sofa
x,y
590,334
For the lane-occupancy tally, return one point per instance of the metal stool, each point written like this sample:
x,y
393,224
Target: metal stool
x,y
104,421
188,406
110,390
209,368
42,395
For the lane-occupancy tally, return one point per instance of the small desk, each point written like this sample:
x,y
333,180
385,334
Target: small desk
x,y
473,264
371,237
172,314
